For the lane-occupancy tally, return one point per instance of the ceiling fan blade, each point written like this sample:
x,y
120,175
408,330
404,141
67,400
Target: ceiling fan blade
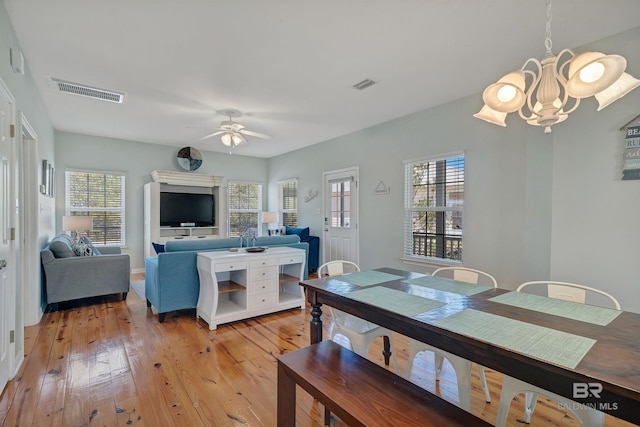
x,y
212,134
252,133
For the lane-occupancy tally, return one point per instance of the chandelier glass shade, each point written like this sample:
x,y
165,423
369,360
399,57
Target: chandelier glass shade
x,y
546,92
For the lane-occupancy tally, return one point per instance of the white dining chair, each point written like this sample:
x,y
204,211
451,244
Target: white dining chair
x,y
461,366
511,387
360,332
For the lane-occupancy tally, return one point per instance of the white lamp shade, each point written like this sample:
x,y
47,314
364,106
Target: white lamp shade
x,y
237,138
77,223
269,217
593,72
491,116
507,95
625,84
226,139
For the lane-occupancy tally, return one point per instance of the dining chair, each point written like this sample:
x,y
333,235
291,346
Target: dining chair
x,y
461,366
587,416
360,332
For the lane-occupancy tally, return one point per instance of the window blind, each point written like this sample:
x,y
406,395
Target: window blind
x,y
434,204
244,208
100,195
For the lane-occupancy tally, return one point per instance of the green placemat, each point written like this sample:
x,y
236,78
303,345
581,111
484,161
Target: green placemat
x,y
367,278
397,301
449,285
557,347
571,310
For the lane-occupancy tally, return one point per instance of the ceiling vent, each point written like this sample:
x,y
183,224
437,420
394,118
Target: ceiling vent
x,y
364,84
88,91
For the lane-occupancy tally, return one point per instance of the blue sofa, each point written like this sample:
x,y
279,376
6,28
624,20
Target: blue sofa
x,y
171,279
313,261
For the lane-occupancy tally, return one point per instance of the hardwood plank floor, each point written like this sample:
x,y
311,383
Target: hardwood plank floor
x,y
110,363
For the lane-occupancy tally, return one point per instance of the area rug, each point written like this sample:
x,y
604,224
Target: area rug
x,y
138,286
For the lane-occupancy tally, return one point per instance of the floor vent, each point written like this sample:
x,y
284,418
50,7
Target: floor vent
x,y
364,84
88,91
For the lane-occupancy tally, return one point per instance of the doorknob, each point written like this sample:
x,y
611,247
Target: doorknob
x,y
3,263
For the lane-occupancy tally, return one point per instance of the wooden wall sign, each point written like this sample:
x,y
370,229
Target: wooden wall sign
x,y
631,168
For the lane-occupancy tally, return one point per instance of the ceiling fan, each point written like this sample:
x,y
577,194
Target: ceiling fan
x,y
233,133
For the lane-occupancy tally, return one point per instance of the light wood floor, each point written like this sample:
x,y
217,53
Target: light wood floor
x,y
105,362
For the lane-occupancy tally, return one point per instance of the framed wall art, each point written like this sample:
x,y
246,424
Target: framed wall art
x,y
47,183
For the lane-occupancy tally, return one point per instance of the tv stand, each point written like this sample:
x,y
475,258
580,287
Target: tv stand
x,y
182,182
186,233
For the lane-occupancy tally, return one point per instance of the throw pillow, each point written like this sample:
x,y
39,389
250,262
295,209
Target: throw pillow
x,y
87,241
61,249
158,248
302,232
82,249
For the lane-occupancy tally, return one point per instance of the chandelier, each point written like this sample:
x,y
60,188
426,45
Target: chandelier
x,y
556,87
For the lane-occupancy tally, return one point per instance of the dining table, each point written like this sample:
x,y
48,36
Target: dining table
x,y
586,353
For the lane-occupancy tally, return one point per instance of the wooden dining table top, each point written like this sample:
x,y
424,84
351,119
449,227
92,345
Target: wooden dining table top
x,y
602,372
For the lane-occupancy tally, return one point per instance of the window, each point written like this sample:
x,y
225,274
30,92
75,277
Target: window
x,y
245,206
434,198
101,196
288,202
340,195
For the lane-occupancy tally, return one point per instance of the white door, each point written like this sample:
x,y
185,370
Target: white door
x,y
340,235
7,286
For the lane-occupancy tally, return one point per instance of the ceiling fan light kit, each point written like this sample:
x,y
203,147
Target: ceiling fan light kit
x,y
555,83
233,133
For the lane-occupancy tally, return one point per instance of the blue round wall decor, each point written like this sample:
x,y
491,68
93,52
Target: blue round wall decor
x,y
189,158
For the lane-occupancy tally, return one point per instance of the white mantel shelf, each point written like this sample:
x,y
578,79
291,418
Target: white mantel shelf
x,y
186,178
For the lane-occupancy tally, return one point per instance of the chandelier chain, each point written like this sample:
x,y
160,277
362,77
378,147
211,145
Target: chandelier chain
x,y
547,34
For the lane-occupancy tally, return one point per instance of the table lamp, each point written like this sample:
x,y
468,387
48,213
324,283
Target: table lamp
x,y
77,223
270,218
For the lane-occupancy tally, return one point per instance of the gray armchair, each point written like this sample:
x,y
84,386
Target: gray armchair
x,y
68,277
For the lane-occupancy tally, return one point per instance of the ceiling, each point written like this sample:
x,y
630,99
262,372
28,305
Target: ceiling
x,y
287,65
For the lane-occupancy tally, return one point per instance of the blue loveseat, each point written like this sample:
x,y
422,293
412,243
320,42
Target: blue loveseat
x,y
313,261
171,278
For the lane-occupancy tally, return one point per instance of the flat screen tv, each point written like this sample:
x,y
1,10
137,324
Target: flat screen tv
x,y
177,209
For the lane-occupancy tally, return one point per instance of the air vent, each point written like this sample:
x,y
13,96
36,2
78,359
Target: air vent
x,y
88,91
364,84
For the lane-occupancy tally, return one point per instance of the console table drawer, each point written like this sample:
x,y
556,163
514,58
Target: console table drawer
x,y
263,273
258,301
262,286
230,266
263,262
293,259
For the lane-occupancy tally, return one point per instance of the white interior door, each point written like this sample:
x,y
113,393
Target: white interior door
x,y
340,235
7,283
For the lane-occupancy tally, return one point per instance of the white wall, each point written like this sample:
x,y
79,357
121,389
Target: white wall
x,y
495,174
137,160
29,103
595,237
536,206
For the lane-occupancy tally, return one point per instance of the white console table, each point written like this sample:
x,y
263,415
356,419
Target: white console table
x,y
239,285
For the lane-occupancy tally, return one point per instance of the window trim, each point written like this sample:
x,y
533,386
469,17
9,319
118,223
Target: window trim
x,y
407,256
281,209
258,211
123,199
